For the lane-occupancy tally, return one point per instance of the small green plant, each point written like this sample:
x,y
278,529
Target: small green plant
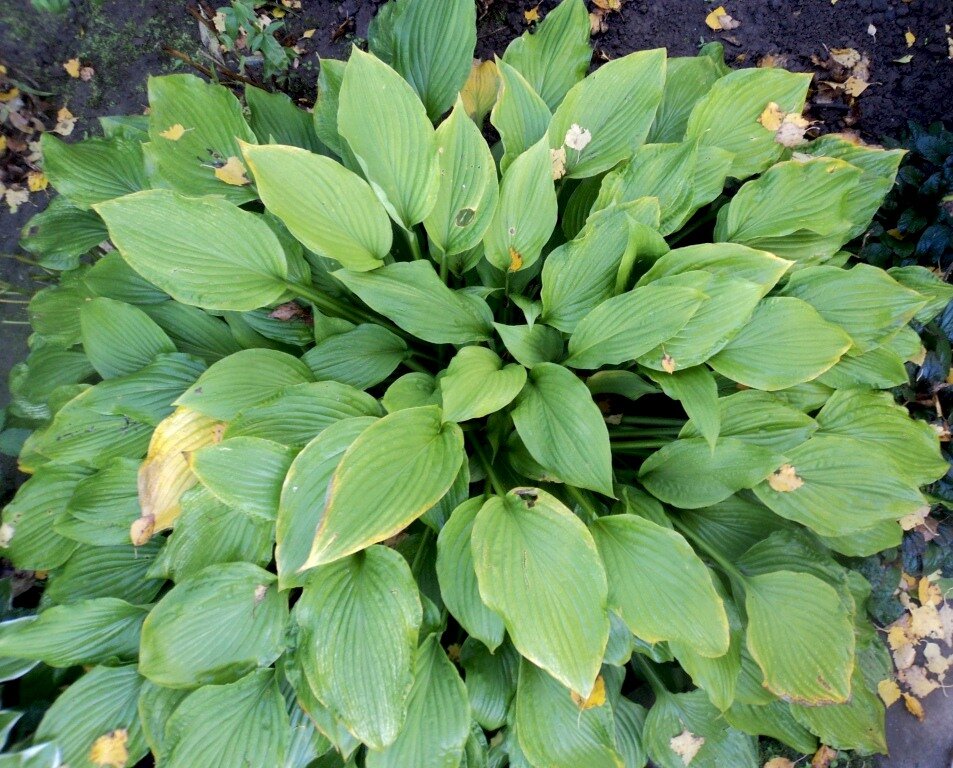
x,y
365,440
252,37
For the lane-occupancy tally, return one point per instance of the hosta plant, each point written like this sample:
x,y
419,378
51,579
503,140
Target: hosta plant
x,y
364,442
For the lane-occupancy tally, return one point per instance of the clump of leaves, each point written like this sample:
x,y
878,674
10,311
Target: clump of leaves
x,y
254,38
366,439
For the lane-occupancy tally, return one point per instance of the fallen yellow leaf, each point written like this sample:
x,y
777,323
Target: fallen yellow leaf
x,y
596,699
516,259
72,67
15,197
559,162
686,745
110,749
173,132
771,117
937,663
785,479
925,622
233,172
913,705
36,181
911,521
3,143
308,34
846,57
779,762
823,757
910,38
532,15
65,122
904,656
9,95
608,5
929,593
668,363
889,691
719,19
897,637
854,86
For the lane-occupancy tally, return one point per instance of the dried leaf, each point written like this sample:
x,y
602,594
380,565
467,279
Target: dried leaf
x,y
559,162
668,363
771,117
871,30
911,521
904,59
233,172
928,592
913,705
36,181
889,691
779,762
904,656
596,699
785,479
937,663
597,22
9,95
910,38
719,19
65,122
846,57
686,745
86,74
915,678
110,749
308,34
173,132
577,137
925,622
854,86
72,67
823,757
608,5
15,197
532,15
516,259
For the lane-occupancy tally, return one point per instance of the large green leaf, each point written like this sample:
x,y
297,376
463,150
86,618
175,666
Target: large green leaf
x,y
102,701
413,296
360,357
108,571
800,663
519,115
394,142
331,210
727,116
195,127
536,565
659,586
214,627
466,198
104,505
93,170
119,338
514,240
359,619
244,379
697,391
531,344
438,716
477,384
60,234
490,680
204,251
276,119
687,473
88,632
113,278
616,104
458,581
627,326
223,726
395,471
563,428
557,54
554,731
687,80
786,343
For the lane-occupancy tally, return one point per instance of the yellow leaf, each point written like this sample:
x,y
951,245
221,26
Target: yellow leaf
x,y
72,67
910,38
516,259
915,678
559,162
608,5
686,745
173,132
596,699
36,181
911,521
479,91
233,172
854,86
929,593
278,13
65,122
823,757
3,143
668,363
9,95
914,707
937,663
771,117
15,197
904,656
889,691
532,15
846,57
785,479
779,762
110,749
719,19
308,34
925,622
897,637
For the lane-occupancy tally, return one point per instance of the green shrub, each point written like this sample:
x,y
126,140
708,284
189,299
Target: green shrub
x,y
371,417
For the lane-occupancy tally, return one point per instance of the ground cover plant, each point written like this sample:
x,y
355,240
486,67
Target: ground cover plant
x,y
365,443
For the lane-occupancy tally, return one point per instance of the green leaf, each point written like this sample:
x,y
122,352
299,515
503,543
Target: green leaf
x,y
242,380
330,77
88,632
616,104
554,731
301,412
563,428
458,581
113,571
204,252
307,480
432,48
466,198
397,468
673,715
212,123
659,586
531,344
360,357
920,279
796,210
214,627
244,472
221,726
624,383
524,545
689,474
786,343
727,116
94,170
119,338
514,241
697,391
629,722
101,701
359,619
477,384
104,505
60,234
331,210
411,391
847,485
519,115
413,296
276,120
687,80
785,610
556,55
490,680
438,716
774,720
624,327
194,331
394,143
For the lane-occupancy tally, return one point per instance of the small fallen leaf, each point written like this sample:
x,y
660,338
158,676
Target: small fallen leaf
x,y
937,663
86,74
904,59
173,132
559,162
925,622
946,622
110,749
608,5
516,260
913,705
854,86
915,678
532,15
889,691
3,143
846,57
308,34
897,637
719,19
141,530
772,116
668,363
904,656
218,20
36,181
910,38
872,30
65,122
597,22
15,197
596,699
233,172
686,745
791,132
6,535
9,95
928,592
823,757
785,479
577,137
779,762
911,521
72,67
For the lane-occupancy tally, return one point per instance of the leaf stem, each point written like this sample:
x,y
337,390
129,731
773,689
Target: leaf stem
x,y
709,216
707,549
325,303
650,675
413,243
625,444
414,365
652,421
583,501
494,479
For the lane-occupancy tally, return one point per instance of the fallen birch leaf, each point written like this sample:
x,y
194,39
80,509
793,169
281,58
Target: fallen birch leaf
x,y
72,67
233,172
910,38
686,745
915,678
36,181
86,74
719,19
779,762
532,15
913,705
846,57
823,757
15,197
889,691
785,479
559,162
110,749
595,699
173,132
937,663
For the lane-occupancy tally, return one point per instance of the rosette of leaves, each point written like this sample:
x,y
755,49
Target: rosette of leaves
x,y
367,443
